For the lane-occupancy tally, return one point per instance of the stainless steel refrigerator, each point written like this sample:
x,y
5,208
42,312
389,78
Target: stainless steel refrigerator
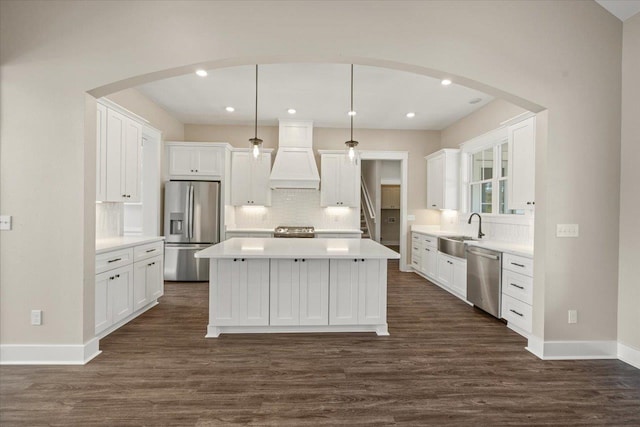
x,y
191,223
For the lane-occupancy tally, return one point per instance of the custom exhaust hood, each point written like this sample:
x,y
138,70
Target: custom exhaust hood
x,y
295,165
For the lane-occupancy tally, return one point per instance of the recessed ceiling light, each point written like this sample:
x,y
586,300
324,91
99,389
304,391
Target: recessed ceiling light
x,y
352,113
291,111
445,82
230,109
475,100
201,73
411,115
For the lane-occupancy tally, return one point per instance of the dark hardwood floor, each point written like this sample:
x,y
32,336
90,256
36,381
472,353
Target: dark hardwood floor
x,y
444,364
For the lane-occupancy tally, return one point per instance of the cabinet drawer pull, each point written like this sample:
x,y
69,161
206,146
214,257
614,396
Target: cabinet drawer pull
x,y
428,250
517,265
117,275
114,260
112,277
517,286
415,249
150,250
149,265
515,312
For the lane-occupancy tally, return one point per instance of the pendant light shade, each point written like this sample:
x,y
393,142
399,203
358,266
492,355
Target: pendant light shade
x,y
256,143
352,153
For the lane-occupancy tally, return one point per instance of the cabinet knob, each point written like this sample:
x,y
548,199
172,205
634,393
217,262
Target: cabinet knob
x,y
242,260
304,260
295,260
355,260
235,259
433,206
363,260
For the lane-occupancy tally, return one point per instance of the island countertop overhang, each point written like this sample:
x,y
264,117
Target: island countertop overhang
x,y
295,248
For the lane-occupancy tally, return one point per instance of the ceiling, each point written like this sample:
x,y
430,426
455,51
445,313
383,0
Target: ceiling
x,y
622,9
318,92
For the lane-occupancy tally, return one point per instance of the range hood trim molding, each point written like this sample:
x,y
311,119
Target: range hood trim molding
x,y
295,164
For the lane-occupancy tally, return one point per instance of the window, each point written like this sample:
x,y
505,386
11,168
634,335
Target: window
x,y
489,179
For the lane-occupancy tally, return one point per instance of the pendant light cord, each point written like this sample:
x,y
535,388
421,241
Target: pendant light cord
x,y
255,128
351,102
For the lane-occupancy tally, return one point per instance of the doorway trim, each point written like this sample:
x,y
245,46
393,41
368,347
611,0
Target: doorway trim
x,y
403,157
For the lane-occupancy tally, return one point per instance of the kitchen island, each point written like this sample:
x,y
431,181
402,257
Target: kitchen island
x,y
270,285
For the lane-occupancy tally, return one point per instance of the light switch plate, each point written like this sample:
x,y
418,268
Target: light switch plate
x,y
567,230
36,317
5,222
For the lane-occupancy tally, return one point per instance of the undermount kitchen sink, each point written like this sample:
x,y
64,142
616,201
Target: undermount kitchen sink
x,y
453,245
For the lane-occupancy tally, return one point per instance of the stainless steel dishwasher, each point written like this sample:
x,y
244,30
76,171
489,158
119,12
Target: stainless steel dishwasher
x,y
484,279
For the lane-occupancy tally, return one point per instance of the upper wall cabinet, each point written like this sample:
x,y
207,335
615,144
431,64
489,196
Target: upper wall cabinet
x,y
340,180
118,156
250,178
522,151
192,160
443,171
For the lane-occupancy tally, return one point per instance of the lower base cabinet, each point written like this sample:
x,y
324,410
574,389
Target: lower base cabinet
x,y
123,292
357,294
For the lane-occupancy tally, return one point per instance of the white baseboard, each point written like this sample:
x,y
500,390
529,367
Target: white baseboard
x,y
629,355
573,350
49,354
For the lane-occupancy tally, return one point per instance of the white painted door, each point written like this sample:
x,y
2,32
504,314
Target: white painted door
x,y
522,151
330,180
435,182
155,279
349,182
181,160
284,308
260,171
208,161
445,270
131,161
140,284
103,318
254,292
314,292
121,292
429,261
240,178
101,153
224,298
459,282
116,124
372,291
343,292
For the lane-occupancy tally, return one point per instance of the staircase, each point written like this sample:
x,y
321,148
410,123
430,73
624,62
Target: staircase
x,y
363,226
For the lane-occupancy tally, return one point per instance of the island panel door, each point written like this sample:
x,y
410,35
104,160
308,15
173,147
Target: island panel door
x,y
254,292
314,292
372,291
224,300
343,291
285,292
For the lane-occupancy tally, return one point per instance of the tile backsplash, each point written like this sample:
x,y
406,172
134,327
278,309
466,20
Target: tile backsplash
x,y
511,229
295,207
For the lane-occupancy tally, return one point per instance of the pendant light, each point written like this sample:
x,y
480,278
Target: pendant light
x,y
352,154
256,143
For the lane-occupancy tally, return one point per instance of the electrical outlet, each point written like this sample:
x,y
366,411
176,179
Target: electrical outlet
x,y
573,316
36,317
567,230
5,222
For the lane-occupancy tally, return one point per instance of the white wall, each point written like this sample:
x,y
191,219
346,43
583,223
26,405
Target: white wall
x,y
557,55
629,292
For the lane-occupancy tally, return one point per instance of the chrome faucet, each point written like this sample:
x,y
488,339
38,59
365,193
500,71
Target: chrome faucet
x,y
480,233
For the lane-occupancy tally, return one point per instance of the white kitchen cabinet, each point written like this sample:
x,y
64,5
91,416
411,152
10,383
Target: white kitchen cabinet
x,y
390,196
429,261
357,294
195,160
443,178
452,274
522,151
416,251
517,293
299,292
123,157
148,283
123,288
240,294
101,153
250,179
340,180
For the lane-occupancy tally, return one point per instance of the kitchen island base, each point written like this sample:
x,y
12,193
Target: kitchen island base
x,y
297,286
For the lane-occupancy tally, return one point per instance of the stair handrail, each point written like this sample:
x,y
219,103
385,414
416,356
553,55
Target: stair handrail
x,y
367,199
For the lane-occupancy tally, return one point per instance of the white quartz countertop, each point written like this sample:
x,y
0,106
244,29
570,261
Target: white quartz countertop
x,y
319,248
317,230
121,242
512,248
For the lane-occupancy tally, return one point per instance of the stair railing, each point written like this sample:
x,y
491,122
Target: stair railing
x,y
370,213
